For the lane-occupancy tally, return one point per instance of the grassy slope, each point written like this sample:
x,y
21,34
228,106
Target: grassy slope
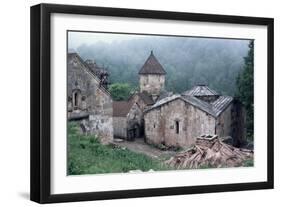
x,y
87,156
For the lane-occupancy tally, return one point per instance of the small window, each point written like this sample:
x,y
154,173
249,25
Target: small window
x,y
75,99
154,125
177,127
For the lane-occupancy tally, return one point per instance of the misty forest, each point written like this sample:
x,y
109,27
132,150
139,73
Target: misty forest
x,y
225,65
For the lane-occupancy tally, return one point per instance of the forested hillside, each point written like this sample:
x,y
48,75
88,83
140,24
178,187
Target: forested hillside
x,y
187,61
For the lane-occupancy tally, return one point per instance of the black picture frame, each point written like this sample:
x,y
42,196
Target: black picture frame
x,y
41,96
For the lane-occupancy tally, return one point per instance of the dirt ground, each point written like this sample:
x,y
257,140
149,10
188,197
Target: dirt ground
x,y
139,146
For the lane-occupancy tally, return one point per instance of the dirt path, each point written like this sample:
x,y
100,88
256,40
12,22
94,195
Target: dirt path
x,y
140,146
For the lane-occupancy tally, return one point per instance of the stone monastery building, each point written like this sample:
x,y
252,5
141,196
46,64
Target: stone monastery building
x,y
152,113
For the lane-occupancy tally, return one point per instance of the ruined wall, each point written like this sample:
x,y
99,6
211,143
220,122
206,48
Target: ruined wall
x,y
120,127
224,123
160,124
86,96
153,84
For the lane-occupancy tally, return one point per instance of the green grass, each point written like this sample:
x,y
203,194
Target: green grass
x,y
86,155
248,163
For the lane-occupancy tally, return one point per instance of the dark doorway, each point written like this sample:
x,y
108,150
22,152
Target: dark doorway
x,y
134,132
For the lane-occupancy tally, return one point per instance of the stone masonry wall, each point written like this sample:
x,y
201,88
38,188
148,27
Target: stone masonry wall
x,y
224,122
160,124
91,99
153,84
120,127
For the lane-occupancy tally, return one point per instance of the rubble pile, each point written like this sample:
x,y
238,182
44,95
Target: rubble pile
x,y
210,151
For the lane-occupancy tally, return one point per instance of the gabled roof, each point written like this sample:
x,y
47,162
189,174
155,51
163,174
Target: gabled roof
x,y
214,109
71,56
121,108
201,90
164,94
203,105
147,99
221,104
152,66
164,101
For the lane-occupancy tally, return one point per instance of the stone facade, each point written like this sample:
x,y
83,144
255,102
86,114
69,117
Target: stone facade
x,y
152,83
177,123
152,77
120,127
159,116
89,103
127,120
224,123
179,119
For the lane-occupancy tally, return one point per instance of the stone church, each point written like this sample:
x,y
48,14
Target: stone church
x,y
88,101
128,120
162,117
152,113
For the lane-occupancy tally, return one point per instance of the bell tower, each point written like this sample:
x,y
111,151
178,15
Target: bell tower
x,y
152,76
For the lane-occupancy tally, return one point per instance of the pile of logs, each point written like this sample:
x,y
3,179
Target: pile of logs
x,y
210,151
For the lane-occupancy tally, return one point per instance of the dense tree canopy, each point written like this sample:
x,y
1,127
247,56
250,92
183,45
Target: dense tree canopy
x,y
187,60
120,91
245,88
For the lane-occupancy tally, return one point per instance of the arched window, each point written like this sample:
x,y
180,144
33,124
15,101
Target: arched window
x,y
76,96
177,126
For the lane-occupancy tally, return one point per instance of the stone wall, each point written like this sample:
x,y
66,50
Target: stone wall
x,y
120,127
124,126
224,123
232,123
86,96
135,122
153,84
161,124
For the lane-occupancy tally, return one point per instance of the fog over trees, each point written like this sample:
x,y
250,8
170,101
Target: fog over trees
x,y
187,61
